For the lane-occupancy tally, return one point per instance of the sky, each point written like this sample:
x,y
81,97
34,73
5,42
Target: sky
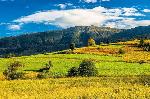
x,y
29,16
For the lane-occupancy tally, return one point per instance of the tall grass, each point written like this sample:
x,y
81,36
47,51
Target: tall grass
x,y
75,88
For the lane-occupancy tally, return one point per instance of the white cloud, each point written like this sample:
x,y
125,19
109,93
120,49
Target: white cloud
x,y
146,10
14,27
131,12
3,23
63,6
142,23
126,23
90,1
98,16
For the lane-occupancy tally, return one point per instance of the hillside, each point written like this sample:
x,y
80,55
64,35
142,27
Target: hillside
x,y
108,59
53,40
59,40
120,75
131,34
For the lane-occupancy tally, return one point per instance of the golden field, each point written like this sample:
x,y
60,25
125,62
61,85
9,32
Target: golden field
x,y
121,76
76,88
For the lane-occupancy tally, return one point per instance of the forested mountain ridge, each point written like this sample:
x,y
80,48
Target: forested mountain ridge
x,y
59,40
53,40
142,32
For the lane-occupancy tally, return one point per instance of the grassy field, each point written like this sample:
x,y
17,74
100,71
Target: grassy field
x,y
75,88
119,74
108,64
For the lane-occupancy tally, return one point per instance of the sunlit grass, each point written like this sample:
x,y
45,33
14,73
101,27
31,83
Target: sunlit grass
x,y
75,88
119,75
107,64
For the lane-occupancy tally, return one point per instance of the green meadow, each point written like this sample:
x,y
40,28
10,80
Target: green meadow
x,y
120,76
107,65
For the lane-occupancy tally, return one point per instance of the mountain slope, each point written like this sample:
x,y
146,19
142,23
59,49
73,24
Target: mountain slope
x,y
59,40
54,40
130,34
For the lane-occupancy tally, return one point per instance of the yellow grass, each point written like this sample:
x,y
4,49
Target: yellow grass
x,y
83,88
75,88
97,50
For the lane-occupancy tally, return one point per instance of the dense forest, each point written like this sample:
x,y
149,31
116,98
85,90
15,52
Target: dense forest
x,y
59,40
142,32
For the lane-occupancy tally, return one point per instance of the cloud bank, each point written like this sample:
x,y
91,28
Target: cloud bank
x,y
98,16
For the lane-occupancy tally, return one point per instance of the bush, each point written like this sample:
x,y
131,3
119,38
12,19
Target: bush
x,y
146,46
141,43
46,67
43,75
141,62
12,72
101,43
44,72
121,51
73,72
72,46
145,80
91,42
87,68
13,75
10,55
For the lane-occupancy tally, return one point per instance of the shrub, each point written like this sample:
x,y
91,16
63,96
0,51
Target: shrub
x,y
121,51
44,72
141,62
73,72
10,55
72,46
43,75
12,72
141,43
146,46
13,75
47,67
87,68
101,43
145,80
91,42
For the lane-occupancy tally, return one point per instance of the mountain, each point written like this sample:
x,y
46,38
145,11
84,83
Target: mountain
x,y
142,32
50,41
54,40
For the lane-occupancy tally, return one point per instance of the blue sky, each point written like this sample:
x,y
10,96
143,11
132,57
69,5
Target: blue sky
x,y
27,16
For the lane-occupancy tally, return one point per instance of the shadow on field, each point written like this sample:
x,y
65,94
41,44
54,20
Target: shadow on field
x,y
33,70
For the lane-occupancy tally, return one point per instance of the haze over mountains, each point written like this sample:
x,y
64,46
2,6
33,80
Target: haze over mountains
x,y
60,39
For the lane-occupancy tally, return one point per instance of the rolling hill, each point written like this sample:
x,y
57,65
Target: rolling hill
x,y
59,40
131,34
120,75
53,40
